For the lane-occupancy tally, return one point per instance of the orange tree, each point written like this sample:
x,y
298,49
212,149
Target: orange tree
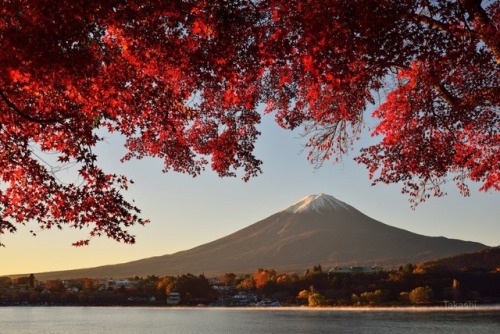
x,y
182,80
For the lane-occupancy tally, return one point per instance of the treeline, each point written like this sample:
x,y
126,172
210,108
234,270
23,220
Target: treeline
x,y
403,286
315,287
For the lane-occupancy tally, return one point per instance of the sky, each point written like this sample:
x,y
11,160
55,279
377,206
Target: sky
x,y
186,212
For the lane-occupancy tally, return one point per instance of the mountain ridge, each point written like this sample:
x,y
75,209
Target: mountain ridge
x,y
483,260
316,229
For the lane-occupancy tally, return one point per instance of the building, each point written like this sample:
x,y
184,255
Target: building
x,y
174,298
354,269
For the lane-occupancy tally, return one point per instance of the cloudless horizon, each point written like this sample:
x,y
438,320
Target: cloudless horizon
x,y
186,212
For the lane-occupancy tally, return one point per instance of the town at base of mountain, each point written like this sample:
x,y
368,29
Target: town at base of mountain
x,y
466,280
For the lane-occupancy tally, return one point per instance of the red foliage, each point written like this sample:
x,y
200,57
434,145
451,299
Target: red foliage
x,y
262,277
181,80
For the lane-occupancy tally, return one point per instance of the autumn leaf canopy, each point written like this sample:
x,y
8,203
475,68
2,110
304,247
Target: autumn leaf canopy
x,y
183,81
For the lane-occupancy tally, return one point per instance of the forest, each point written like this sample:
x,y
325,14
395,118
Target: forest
x,y
404,286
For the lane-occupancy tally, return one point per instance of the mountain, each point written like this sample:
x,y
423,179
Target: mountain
x,y
318,229
484,260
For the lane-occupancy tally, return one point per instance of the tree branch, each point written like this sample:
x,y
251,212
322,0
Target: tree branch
x,y
486,30
23,114
484,94
442,26
446,95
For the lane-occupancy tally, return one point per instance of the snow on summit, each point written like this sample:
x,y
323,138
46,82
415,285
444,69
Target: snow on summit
x,y
317,203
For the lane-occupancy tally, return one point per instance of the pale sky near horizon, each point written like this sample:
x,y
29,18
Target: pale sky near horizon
x,y
186,212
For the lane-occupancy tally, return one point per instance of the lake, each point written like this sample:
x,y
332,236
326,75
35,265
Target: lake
x,y
125,320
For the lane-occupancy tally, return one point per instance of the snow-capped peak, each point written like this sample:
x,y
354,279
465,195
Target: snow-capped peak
x,y
317,203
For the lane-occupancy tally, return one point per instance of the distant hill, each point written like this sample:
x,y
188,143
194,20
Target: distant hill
x,y
487,260
318,229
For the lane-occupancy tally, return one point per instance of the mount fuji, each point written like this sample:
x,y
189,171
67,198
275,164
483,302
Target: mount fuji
x,y
317,229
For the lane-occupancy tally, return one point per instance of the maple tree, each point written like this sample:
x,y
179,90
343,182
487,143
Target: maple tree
x,y
181,80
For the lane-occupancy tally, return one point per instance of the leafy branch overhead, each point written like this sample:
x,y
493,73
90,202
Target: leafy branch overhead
x,y
181,80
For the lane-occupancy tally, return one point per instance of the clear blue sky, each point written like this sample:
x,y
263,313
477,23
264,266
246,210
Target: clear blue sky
x,y
186,212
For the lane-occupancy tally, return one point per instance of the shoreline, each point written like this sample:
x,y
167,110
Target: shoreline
x,y
436,308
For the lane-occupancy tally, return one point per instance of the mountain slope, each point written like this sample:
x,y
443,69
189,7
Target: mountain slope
x,y
484,260
317,229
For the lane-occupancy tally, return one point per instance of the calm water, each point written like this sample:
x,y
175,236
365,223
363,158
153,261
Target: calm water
x,y
94,320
